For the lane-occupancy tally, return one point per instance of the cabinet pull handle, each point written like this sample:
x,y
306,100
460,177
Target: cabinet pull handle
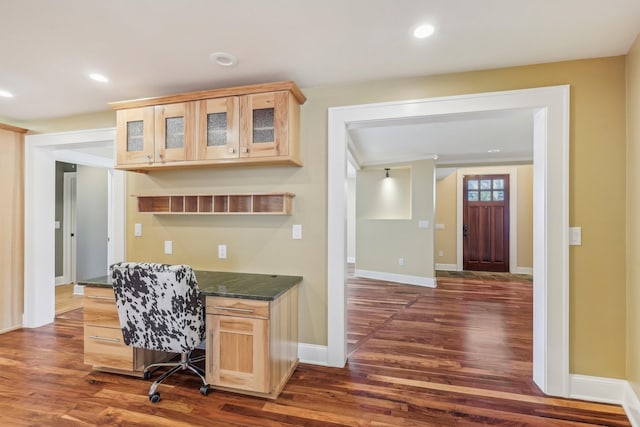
x,y
95,337
241,310
148,157
103,298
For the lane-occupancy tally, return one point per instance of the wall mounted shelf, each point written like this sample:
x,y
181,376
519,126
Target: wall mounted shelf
x,y
218,204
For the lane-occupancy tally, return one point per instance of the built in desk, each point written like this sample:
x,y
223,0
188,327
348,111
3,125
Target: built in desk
x,y
252,331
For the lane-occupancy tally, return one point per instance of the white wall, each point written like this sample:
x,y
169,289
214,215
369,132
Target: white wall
x,y
91,226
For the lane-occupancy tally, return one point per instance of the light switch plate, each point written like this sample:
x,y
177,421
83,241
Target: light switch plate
x,y
423,223
222,251
439,226
168,247
296,231
575,236
137,230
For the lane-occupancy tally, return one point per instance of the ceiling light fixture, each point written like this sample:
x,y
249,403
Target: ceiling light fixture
x,y
223,59
98,77
423,31
494,150
386,172
5,93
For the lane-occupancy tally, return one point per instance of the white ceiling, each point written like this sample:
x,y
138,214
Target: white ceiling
x,y
160,47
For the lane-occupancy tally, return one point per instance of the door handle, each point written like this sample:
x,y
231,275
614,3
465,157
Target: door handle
x,y
465,230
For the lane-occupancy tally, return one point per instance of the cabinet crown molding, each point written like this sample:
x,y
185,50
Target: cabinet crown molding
x,y
289,86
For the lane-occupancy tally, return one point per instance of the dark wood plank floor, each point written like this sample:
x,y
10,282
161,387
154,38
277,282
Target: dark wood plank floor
x,y
458,355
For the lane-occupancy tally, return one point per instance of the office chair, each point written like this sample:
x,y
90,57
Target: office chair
x,y
159,308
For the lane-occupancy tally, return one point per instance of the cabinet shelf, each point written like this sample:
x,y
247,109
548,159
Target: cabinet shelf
x,y
218,204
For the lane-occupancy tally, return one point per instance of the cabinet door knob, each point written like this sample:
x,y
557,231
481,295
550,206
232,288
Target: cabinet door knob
x,y
148,157
161,156
245,150
232,150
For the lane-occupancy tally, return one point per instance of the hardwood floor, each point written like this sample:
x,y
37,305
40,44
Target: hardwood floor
x,y
458,355
66,300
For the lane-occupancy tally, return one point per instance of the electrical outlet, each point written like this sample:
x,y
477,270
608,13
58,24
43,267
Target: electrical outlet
x,y
168,247
400,261
440,253
222,251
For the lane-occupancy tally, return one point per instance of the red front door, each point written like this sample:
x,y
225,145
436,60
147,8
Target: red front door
x,y
486,223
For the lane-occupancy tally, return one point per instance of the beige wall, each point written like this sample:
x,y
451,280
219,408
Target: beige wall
x,y
597,201
633,216
11,228
351,218
447,215
382,236
446,212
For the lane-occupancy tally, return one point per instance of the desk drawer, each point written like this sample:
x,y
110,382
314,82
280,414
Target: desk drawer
x,y
238,307
100,308
105,347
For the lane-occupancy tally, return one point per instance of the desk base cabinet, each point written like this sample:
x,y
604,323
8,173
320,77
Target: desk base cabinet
x,y
104,347
252,345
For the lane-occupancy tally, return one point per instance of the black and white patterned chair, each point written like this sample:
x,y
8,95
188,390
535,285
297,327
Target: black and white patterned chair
x,y
159,307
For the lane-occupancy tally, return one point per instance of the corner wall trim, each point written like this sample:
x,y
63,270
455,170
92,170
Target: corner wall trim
x,y
607,390
313,354
428,282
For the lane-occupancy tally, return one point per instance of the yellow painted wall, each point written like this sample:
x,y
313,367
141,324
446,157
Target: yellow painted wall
x,y
525,216
633,216
446,214
597,201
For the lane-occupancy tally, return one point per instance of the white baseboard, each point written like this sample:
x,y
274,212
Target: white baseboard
x,y
12,328
523,270
78,289
62,280
313,354
607,390
447,267
429,282
351,260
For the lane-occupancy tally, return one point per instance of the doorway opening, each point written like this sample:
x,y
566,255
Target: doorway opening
x,y
94,148
550,109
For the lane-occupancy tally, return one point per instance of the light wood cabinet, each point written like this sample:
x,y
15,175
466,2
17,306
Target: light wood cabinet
x,y
156,135
257,124
219,129
104,347
252,345
11,227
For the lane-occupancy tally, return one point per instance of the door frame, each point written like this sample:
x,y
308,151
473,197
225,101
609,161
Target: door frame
x,y
512,171
69,226
550,110
41,153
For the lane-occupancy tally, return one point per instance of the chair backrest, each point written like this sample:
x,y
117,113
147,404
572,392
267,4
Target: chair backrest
x,y
159,306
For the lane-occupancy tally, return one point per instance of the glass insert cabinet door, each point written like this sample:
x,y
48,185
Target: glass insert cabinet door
x,y
218,128
174,132
135,135
263,124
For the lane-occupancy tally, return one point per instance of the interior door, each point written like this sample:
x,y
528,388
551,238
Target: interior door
x,y
486,223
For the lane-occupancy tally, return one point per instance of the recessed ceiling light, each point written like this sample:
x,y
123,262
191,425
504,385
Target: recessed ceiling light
x,y
98,77
5,94
223,59
494,150
423,31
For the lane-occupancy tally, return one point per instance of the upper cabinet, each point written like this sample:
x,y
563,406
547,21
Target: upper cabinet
x,y
257,124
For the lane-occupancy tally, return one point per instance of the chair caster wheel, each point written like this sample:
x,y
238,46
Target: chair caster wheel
x,y
155,397
146,375
204,390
